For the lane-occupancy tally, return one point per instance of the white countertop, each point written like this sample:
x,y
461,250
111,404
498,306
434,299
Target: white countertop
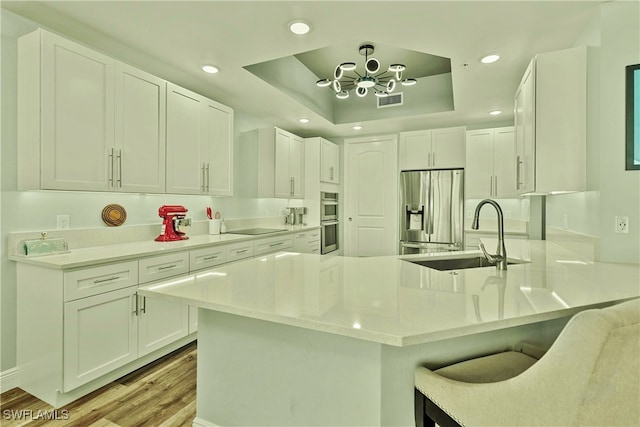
x,y
392,301
91,256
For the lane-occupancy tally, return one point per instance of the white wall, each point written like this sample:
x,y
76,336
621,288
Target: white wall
x,y
615,191
37,210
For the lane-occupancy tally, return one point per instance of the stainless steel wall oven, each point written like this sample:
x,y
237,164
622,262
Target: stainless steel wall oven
x,y
329,223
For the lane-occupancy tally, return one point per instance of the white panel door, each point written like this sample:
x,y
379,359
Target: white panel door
x,y
77,116
140,131
371,197
100,335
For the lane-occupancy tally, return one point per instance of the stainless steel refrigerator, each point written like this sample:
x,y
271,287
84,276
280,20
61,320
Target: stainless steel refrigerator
x,y
431,211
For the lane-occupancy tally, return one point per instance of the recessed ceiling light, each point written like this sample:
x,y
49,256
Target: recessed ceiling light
x,y
357,127
210,69
490,58
304,120
299,27
495,112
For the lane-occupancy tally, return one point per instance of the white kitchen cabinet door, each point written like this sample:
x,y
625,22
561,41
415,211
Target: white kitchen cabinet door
x,y
286,165
218,143
503,165
160,323
139,150
415,150
283,176
186,153
479,170
100,335
77,115
448,148
432,149
525,132
490,167
193,319
296,166
329,162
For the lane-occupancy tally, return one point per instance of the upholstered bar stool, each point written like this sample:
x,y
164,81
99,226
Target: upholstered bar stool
x,y
589,376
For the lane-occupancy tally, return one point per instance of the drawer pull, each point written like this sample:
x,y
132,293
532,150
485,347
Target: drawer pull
x,y
209,258
276,244
110,279
167,267
242,251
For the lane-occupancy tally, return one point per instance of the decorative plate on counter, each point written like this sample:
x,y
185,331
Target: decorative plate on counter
x,y
114,215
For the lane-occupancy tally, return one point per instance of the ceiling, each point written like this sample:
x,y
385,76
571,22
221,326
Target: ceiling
x,y
173,39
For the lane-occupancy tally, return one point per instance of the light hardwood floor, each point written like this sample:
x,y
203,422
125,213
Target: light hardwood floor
x,y
162,393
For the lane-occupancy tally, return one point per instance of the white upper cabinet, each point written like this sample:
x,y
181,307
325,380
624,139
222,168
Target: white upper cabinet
x,y
139,149
89,122
329,162
551,122
280,164
86,121
490,170
199,144
432,149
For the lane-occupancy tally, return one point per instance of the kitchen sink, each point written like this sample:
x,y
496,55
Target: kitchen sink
x,y
457,263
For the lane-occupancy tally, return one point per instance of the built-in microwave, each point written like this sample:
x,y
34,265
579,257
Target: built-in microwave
x,y
328,206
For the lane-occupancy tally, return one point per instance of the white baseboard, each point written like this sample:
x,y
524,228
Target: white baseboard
x,y
8,379
199,422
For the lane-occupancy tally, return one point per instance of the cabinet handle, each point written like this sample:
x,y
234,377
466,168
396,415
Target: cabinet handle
x,y
119,168
167,267
110,279
143,310
272,245
202,171
495,186
518,165
209,258
331,173
207,181
491,185
292,185
111,168
433,158
429,159
241,251
135,310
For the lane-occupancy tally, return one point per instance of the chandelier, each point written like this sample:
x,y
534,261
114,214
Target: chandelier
x,y
382,83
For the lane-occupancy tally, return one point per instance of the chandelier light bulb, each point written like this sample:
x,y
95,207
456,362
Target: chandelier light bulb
x,y
348,66
380,83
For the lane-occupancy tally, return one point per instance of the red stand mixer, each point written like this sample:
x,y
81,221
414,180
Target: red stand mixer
x,y
173,217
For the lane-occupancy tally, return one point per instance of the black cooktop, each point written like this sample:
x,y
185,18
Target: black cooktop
x,y
255,231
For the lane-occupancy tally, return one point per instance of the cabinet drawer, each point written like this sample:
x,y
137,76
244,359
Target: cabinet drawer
x,y
208,257
273,244
96,280
164,266
238,251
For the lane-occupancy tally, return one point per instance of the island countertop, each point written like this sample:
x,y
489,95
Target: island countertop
x,y
392,301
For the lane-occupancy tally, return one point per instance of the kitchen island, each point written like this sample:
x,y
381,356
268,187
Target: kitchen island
x,y
298,339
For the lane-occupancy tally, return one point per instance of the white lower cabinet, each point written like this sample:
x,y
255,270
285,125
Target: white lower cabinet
x,y
100,335
160,323
307,242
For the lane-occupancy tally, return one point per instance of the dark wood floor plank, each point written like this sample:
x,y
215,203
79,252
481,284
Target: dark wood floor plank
x,y
162,393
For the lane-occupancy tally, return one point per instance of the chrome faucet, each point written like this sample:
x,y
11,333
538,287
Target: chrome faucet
x,y
500,258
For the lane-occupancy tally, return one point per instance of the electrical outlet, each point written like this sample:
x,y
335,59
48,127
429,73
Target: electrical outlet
x,y
622,224
63,221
